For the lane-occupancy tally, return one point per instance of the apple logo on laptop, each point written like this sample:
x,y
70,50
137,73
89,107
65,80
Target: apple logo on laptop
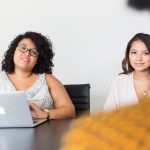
x,y
2,110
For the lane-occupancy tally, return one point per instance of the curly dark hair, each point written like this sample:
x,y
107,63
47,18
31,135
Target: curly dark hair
x,y
126,66
44,47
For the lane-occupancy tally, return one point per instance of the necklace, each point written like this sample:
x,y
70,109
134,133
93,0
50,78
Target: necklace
x,y
142,84
146,92
139,89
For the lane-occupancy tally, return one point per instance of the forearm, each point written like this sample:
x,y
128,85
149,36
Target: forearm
x,y
63,112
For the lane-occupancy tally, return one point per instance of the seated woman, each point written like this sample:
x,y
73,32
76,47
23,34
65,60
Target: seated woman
x,y
134,83
27,66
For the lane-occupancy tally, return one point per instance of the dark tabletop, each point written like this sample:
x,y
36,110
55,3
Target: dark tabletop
x,y
46,136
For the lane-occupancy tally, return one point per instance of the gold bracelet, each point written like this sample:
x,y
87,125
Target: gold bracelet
x,y
48,113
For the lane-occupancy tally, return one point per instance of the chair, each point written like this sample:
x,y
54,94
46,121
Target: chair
x,y
80,96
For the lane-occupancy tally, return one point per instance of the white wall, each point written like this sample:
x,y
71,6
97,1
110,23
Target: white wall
x,y
89,36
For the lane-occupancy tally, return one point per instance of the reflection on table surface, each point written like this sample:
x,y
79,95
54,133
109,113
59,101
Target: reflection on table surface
x,y
46,136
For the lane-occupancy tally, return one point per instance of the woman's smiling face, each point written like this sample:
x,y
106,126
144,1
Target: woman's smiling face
x,y
25,60
139,56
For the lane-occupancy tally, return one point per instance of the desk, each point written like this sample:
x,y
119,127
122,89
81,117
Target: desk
x,y
46,136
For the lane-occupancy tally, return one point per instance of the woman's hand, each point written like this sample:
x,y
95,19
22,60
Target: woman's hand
x,y
37,112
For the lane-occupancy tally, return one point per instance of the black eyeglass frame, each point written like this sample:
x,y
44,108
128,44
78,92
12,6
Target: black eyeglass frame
x,y
27,49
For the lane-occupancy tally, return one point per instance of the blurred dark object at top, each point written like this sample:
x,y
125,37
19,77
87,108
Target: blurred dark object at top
x,y
139,4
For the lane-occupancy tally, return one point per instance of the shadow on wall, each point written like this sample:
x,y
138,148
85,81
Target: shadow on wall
x,y
139,4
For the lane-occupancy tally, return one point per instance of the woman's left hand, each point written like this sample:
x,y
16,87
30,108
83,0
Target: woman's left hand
x,y
37,112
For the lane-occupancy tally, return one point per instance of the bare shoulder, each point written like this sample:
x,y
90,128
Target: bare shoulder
x,y
56,89
52,81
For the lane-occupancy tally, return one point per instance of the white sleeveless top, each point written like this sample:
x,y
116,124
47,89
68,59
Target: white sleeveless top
x,y
37,93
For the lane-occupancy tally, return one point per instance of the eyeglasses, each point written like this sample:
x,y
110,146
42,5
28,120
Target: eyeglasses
x,y
23,48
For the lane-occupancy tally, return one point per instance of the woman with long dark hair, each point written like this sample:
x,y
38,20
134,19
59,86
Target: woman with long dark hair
x,y
134,82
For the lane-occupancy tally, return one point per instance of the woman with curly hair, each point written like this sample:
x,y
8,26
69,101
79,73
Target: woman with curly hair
x,y
27,66
134,83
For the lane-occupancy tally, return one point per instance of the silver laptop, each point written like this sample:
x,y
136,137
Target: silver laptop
x,y
15,111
